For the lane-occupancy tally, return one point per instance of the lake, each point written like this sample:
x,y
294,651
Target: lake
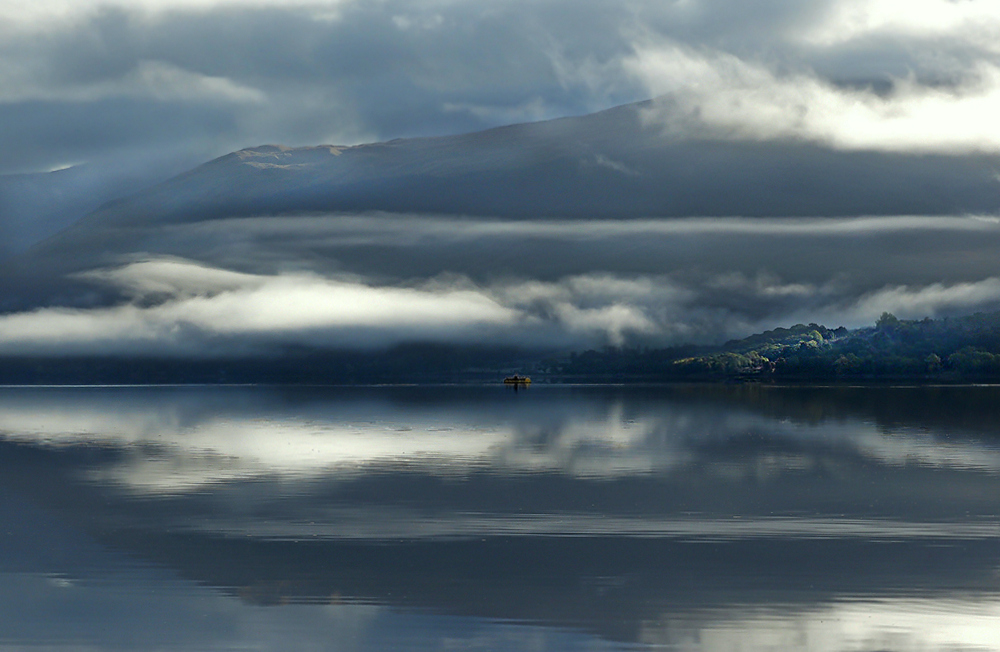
x,y
691,518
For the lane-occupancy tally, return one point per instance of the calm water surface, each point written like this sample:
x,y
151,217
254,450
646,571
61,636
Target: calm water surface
x,y
479,518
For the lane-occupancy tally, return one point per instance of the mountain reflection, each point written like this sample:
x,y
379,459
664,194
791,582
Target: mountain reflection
x,y
692,517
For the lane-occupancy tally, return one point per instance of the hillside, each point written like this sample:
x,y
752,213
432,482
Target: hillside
x,y
612,164
943,350
36,206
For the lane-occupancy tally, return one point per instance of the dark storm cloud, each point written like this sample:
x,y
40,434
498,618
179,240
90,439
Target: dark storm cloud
x,y
303,73
377,70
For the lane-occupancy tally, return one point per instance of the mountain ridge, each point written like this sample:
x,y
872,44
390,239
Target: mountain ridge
x,y
612,164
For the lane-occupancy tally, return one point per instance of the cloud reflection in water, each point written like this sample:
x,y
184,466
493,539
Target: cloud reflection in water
x,y
694,518
254,433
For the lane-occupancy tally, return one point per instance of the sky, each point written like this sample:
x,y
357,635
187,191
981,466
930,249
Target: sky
x,y
117,95
88,81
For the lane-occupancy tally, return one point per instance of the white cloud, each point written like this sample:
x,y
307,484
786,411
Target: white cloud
x,y
179,307
200,303
197,309
615,320
927,301
167,82
907,624
716,94
853,19
410,229
154,80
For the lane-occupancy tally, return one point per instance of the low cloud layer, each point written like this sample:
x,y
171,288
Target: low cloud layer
x,y
256,286
173,306
179,307
197,309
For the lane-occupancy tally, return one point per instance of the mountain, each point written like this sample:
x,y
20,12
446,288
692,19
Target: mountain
x,y
613,164
36,206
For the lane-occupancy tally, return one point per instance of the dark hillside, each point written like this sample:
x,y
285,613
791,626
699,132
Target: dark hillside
x,y
945,350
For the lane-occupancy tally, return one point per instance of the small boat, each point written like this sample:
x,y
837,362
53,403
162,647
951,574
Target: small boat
x,y
516,380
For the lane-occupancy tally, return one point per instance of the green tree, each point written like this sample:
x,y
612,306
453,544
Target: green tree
x,y
887,322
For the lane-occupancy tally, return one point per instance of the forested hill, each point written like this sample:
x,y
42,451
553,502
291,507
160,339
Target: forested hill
x,y
946,350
